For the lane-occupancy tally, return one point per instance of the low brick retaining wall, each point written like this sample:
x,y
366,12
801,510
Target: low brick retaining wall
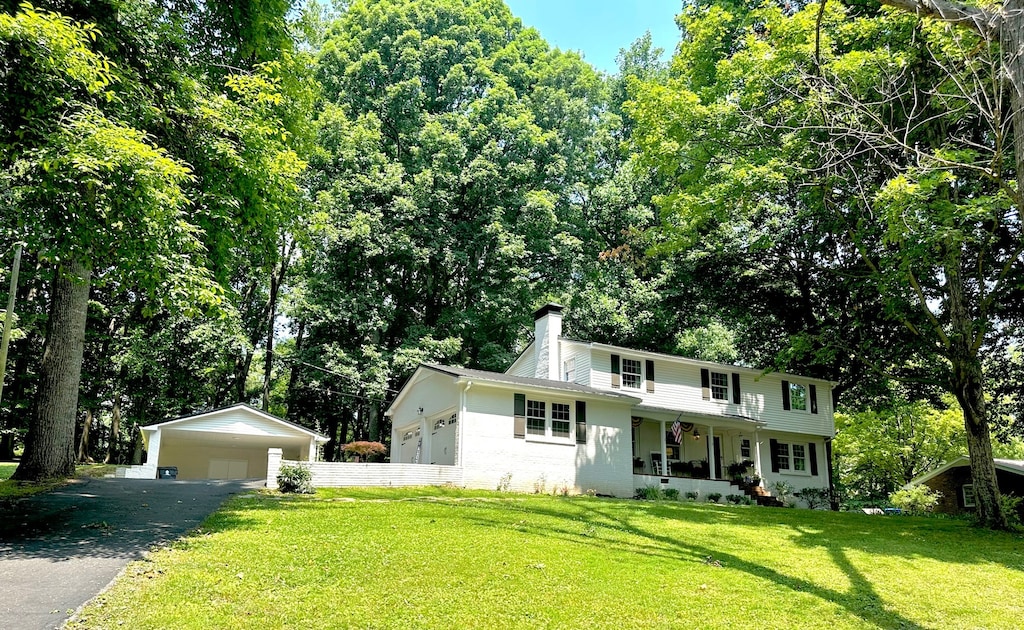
x,y
345,474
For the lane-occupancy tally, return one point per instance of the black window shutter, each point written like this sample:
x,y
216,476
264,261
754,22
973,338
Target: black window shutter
x,y
519,423
581,422
736,388
785,396
773,446
705,384
650,377
615,371
813,454
813,391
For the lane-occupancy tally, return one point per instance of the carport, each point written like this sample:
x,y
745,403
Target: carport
x,y
228,443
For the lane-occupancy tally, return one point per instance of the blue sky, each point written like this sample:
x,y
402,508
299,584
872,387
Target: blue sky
x,y
599,28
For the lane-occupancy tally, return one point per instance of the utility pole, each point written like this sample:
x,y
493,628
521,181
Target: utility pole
x,y
9,317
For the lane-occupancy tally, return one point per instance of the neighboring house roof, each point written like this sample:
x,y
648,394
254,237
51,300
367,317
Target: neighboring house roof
x,y
1009,465
249,408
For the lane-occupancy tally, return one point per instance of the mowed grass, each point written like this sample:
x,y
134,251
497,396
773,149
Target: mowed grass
x,y
7,469
426,558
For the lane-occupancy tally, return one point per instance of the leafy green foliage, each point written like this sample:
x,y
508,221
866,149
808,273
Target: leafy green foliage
x,y
917,499
295,478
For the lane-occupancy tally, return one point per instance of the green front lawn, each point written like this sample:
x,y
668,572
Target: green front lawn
x,y
7,469
404,559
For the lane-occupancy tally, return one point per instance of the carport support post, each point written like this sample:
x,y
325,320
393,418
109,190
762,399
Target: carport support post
x,y
273,466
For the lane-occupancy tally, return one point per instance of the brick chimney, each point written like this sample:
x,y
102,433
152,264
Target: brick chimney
x,y
548,328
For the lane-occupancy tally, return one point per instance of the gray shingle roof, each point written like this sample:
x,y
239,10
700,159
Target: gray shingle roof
x,y
542,383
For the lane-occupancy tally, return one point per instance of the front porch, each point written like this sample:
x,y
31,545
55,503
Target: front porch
x,y
693,453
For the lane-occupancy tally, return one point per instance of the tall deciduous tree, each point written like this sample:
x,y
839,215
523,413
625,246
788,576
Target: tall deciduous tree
x,y
875,144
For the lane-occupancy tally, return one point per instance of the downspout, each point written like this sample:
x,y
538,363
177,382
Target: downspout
x,y
460,436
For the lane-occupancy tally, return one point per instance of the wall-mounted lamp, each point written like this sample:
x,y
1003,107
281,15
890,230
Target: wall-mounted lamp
x,y
696,433
421,411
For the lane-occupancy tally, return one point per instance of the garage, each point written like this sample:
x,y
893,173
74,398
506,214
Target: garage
x,y
228,443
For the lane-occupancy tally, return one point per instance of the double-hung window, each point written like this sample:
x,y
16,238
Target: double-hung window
x,y
536,417
560,420
782,455
719,386
569,370
799,457
798,396
631,373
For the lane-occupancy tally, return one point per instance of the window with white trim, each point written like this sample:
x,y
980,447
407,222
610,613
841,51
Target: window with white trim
x,y
782,455
792,458
745,448
968,492
719,386
799,457
536,417
560,420
798,397
569,370
631,373
547,419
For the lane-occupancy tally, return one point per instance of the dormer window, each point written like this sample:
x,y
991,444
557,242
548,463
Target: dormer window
x,y
569,370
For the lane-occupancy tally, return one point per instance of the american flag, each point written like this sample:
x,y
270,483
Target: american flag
x,y
677,431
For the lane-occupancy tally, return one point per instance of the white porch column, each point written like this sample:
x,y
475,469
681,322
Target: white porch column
x,y
312,450
664,449
711,452
757,454
273,466
153,452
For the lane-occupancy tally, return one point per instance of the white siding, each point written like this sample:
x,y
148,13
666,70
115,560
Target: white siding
x,y
437,395
581,354
490,452
678,386
237,421
526,364
798,480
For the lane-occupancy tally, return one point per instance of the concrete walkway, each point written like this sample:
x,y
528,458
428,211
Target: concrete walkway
x,y
60,549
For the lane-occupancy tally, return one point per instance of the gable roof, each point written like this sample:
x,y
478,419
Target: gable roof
x,y
1015,466
239,406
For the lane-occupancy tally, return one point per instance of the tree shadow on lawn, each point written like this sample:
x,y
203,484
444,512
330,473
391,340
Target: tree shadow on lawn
x,y
860,599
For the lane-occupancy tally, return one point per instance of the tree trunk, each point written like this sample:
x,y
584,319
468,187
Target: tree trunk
x,y
50,443
331,448
115,432
1012,43
83,444
968,387
971,395
268,364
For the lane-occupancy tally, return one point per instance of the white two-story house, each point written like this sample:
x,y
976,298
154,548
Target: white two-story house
x,y
576,416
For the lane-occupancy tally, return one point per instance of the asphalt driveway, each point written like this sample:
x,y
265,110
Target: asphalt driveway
x,y
60,549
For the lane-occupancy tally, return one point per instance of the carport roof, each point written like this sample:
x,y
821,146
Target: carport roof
x,y
259,412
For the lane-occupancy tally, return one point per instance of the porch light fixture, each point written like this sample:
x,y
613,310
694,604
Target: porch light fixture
x,y
421,411
696,434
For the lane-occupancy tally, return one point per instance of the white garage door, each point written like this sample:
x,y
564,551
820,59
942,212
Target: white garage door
x,y
228,469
